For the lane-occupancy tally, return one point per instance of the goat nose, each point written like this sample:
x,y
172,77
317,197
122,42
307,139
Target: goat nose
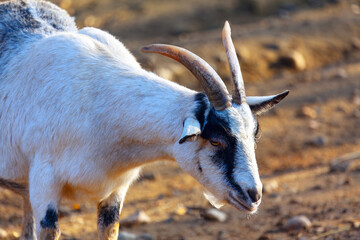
x,y
254,194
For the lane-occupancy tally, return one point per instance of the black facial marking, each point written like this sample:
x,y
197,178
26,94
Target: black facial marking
x,y
108,215
51,219
224,157
202,103
257,127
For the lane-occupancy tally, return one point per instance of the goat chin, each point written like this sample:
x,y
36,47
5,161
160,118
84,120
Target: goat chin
x,y
212,199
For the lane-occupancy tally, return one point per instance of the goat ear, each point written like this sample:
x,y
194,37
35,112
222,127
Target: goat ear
x,y
260,105
191,130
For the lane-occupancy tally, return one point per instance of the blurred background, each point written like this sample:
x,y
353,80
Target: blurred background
x,y
309,152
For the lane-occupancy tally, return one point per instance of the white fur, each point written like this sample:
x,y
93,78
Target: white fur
x,y
79,116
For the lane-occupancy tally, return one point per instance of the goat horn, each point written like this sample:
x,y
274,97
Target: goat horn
x,y
239,89
214,87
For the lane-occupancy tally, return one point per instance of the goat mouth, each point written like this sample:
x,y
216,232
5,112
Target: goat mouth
x,y
239,204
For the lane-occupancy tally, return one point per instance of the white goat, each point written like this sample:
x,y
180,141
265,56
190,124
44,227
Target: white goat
x,y
79,116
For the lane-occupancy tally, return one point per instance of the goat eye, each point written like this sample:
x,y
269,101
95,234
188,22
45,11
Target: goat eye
x,y
215,143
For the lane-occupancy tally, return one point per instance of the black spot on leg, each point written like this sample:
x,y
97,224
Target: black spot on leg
x,y
108,215
51,219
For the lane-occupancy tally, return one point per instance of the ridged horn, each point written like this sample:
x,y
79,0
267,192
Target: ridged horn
x,y
214,87
238,95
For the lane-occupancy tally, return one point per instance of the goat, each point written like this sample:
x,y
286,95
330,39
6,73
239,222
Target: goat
x,y
79,116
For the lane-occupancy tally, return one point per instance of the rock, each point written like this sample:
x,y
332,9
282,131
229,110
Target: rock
x,y
223,235
307,112
146,236
15,234
339,166
126,236
341,73
292,59
355,8
139,217
355,43
313,124
356,223
356,97
318,141
270,186
132,236
213,214
3,233
181,210
297,223
264,237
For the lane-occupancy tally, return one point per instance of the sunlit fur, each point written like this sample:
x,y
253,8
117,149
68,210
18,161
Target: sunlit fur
x,y
79,116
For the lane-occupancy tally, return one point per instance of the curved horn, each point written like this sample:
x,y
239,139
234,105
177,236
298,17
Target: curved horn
x,y
239,89
214,87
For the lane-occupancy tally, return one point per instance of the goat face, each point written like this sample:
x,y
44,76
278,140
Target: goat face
x,y
217,145
222,157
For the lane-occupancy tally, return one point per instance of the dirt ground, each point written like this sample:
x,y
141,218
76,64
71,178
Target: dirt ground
x,y
309,47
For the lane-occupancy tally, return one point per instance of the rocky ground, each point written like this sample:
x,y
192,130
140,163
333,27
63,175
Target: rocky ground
x,y
309,152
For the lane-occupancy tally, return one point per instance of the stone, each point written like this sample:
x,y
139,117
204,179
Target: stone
x,y
313,124
297,223
15,234
213,214
356,223
355,43
318,141
355,8
181,210
270,186
145,236
307,112
139,217
292,59
341,73
339,166
3,233
126,236
132,236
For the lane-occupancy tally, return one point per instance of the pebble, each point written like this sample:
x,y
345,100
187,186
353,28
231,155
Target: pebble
x,y
3,233
313,124
132,236
356,223
339,166
355,8
307,112
293,59
181,210
341,73
139,217
355,43
223,235
318,141
15,234
297,223
270,186
213,214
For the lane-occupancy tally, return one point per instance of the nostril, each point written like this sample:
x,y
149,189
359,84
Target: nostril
x,y
254,195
